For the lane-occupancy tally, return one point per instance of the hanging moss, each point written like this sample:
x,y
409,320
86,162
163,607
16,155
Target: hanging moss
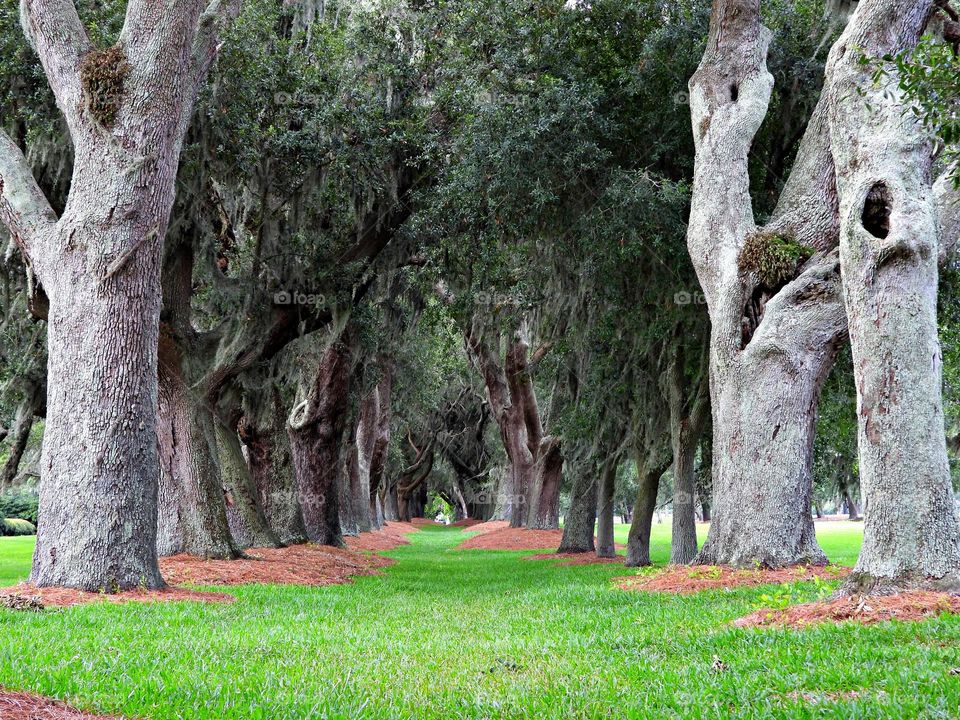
x,y
103,74
773,258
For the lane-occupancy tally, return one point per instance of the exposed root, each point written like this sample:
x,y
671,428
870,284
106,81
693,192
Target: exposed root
x,y
864,609
685,580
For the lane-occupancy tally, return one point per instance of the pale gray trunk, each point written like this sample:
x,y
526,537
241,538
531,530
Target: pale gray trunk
x,y
579,522
20,432
889,252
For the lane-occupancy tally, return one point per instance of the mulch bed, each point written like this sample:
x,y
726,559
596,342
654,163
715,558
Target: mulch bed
x,y
864,609
313,565
489,526
507,538
467,522
24,706
685,580
392,536
31,598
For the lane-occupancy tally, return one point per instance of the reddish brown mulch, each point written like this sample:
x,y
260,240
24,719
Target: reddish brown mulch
x,y
864,609
66,597
390,537
489,526
507,538
588,558
420,522
294,565
684,580
24,706
466,522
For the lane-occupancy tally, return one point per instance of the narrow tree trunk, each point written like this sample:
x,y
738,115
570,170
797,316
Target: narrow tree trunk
x,y
606,546
381,443
638,541
545,505
889,252
854,512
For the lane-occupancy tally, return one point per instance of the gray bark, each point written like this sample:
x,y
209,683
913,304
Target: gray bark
x,y
31,403
606,546
100,266
889,251
578,524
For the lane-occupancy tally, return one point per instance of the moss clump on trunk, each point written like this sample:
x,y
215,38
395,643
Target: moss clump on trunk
x,y
103,74
773,258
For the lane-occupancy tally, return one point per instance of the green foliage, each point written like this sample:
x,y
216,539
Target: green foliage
x,y
773,259
16,526
21,504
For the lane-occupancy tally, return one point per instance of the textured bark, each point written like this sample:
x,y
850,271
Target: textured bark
x,y
606,547
545,504
271,467
514,408
192,511
381,443
100,267
889,252
770,348
317,427
412,480
245,514
578,524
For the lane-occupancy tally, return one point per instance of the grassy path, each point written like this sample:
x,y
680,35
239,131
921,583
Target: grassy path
x,y
452,634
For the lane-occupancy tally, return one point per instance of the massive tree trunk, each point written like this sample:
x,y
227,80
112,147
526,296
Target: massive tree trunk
x,y
606,546
889,252
773,339
317,427
689,406
28,407
127,109
263,433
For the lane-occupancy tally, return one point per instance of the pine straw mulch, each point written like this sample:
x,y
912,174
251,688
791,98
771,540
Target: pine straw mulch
x,y
507,538
390,537
27,597
685,580
863,609
466,522
25,706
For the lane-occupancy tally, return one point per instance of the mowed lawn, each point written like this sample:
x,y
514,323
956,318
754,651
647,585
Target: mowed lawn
x,y
477,634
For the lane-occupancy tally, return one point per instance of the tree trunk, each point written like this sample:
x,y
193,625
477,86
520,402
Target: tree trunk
x,y
638,541
381,443
20,432
271,467
772,340
317,427
100,267
854,512
545,505
606,546
192,512
248,521
578,525
889,252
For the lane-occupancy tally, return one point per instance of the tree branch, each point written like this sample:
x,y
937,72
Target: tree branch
x,y
54,29
24,208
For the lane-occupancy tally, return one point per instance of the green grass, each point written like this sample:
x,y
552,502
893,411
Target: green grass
x,y
475,634
15,556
